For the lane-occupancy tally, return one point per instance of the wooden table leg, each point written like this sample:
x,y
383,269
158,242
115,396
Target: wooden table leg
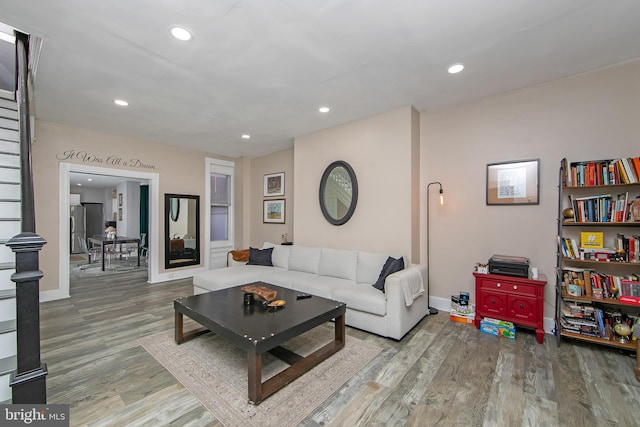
x,y
179,335
340,329
255,377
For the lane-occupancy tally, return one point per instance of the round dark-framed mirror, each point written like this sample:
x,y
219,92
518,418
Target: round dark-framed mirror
x,y
338,192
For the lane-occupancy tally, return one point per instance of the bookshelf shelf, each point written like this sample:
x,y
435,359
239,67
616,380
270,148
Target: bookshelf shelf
x,y
586,187
591,300
601,224
631,345
576,261
597,220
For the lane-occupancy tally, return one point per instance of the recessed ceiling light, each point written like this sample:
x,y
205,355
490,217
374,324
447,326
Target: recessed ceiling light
x,y
246,136
89,179
456,68
323,109
121,102
181,33
79,185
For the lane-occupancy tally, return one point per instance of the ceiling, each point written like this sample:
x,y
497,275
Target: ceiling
x,y
264,67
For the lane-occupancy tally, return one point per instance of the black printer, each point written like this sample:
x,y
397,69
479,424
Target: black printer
x,y
509,265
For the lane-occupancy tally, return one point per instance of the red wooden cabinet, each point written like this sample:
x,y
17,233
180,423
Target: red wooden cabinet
x,y
515,299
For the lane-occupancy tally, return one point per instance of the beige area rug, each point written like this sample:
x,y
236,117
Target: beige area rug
x,y
215,372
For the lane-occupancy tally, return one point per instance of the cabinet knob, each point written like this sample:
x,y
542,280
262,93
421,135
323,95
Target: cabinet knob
x,y
515,287
493,301
521,306
499,285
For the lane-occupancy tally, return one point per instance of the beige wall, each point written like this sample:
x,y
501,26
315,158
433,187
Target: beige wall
x,y
180,171
379,149
281,161
591,116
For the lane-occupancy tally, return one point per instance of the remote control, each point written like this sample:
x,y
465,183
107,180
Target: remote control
x,y
303,296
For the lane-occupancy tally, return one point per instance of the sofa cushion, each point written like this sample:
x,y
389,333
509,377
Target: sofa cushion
x,y
391,266
304,259
284,278
260,257
280,256
322,286
362,298
222,278
337,263
369,267
240,255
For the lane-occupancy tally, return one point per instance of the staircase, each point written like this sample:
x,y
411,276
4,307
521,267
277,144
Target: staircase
x,y
9,227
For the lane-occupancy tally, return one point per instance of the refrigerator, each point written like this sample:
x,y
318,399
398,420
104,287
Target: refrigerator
x,y
86,221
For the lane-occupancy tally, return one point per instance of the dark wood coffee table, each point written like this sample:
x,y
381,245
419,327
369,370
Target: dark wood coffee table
x,y
257,329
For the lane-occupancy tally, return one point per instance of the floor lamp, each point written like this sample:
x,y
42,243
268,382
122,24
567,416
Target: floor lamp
x,y
432,310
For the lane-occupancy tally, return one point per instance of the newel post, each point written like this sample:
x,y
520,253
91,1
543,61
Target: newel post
x,y
28,382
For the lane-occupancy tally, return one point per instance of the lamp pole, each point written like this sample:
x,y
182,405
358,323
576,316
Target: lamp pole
x,y
432,310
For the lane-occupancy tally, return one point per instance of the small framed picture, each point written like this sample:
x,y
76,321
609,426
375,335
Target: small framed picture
x,y
273,211
120,199
274,184
119,214
513,183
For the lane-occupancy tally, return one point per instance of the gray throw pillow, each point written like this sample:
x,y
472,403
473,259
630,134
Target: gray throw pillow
x,y
390,266
260,257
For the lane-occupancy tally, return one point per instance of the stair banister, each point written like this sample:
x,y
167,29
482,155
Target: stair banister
x,y
29,380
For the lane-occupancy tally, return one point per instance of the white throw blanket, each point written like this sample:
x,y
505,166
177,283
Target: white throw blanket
x,y
413,287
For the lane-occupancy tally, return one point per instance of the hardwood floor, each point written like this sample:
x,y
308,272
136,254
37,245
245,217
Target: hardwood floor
x,y
442,373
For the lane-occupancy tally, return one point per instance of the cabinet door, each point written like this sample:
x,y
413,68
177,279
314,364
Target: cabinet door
x,y
493,303
522,309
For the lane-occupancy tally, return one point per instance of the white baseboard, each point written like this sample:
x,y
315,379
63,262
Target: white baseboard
x,y
53,295
444,304
175,275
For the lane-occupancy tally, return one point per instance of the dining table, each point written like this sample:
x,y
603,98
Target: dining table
x,y
105,241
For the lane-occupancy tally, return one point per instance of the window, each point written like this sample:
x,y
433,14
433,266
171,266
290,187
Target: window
x,y
220,206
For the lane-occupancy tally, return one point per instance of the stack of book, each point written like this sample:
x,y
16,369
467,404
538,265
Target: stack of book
x,y
461,311
602,172
580,319
601,208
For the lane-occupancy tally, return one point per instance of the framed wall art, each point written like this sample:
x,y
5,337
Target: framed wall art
x,y
513,183
273,211
274,184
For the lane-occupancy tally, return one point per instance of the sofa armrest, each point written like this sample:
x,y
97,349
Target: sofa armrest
x,y
408,284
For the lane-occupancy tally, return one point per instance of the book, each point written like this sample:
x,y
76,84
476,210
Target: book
x,y
624,179
636,165
591,239
630,299
629,171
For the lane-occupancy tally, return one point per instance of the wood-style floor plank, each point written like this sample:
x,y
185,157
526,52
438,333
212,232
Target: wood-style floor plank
x,y
441,373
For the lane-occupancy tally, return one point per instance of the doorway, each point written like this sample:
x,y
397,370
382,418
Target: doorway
x,y
66,170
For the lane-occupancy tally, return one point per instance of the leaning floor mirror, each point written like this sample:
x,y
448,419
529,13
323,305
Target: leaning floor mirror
x,y
182,230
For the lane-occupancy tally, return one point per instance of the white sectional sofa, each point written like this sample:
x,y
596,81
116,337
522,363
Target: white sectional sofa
x,y
345,276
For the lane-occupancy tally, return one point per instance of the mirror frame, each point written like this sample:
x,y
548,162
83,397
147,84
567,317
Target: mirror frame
x,y
168,217
354,192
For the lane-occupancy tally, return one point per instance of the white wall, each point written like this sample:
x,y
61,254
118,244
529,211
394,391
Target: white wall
x,y
590,116
281,161
379,149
